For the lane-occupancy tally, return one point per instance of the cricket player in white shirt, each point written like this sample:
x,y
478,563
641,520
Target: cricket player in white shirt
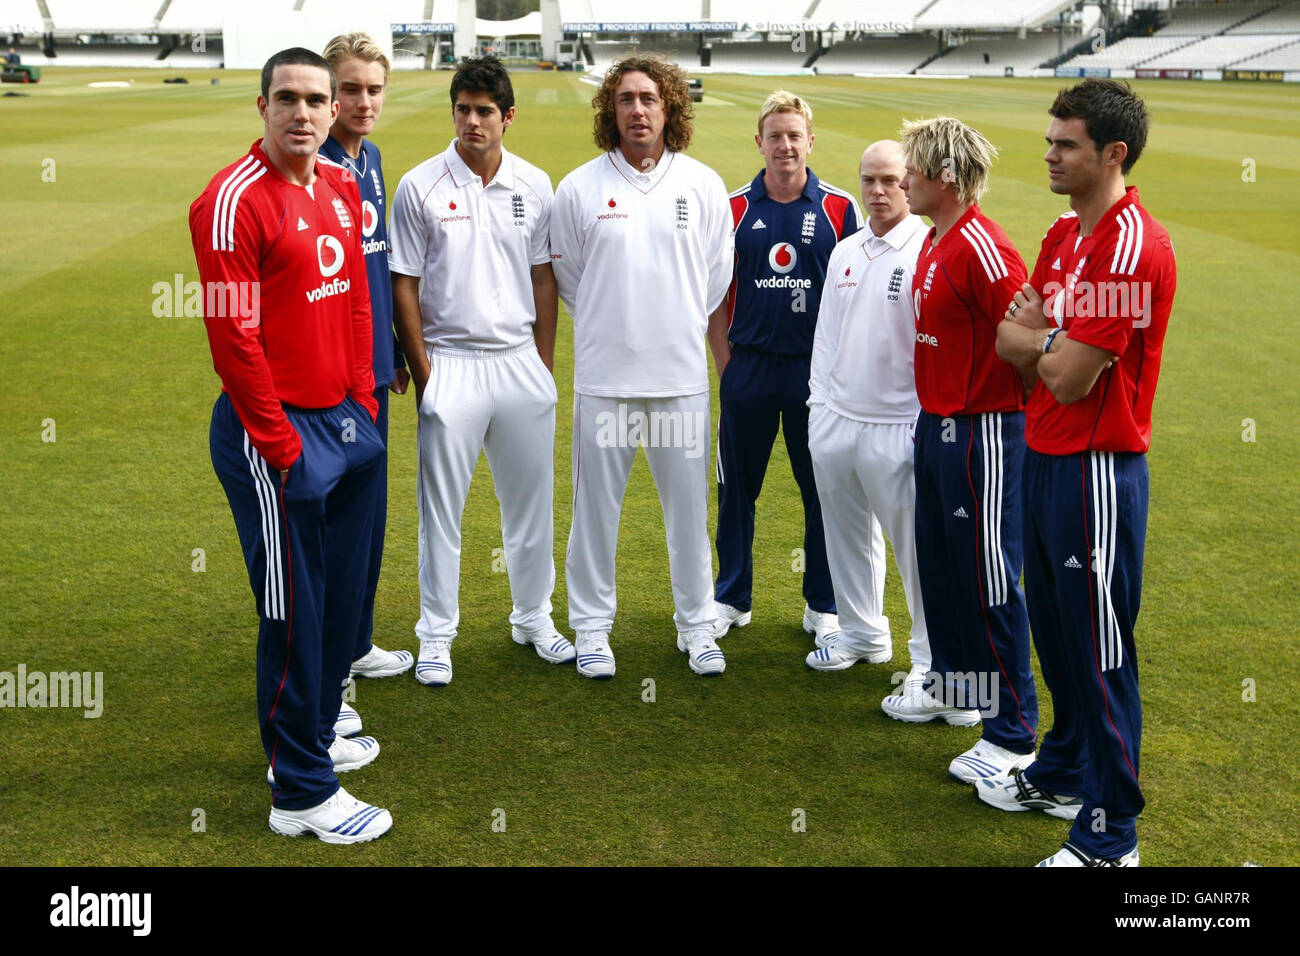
x,y
864,407
476,307
641,243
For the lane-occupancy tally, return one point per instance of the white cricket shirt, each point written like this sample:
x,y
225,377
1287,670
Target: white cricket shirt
x,y
866,328
641,259
473,248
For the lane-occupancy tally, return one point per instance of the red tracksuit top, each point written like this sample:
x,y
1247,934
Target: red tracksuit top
x,y
286,303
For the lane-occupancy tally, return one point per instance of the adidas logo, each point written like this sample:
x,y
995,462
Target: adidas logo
x,y
758,224
1072,562
302,224
960,513
1057,263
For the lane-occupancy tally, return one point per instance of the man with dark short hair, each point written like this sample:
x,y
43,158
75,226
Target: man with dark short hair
x,y
278,241
1087,332
476,311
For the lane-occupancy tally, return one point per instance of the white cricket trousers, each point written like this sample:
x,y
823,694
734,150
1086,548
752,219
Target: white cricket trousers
x,y
606,434
502,402
865,479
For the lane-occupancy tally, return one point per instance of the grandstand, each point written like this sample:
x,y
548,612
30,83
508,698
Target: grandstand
x,y
881,37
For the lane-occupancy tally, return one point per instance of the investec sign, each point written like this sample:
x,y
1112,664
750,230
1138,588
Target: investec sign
x,y
658,26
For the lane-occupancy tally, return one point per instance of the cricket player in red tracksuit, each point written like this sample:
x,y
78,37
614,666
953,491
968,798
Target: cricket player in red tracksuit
x,y
1090,329
293,440
969,456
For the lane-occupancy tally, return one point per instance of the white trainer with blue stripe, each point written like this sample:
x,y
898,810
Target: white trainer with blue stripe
x,y
550,644
340,819
704,655
594,656
1071,855
347,753
836,654
433,667
378,662
986,760
348,722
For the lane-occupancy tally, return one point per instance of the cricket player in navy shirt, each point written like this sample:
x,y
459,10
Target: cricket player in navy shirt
x,y
362,73
787,222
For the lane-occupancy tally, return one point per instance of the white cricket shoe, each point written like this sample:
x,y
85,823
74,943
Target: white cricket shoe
x,y
915,706
550,644
986,760
593,654
704,655
820,624
1011,791
1071,855
836,655
378,662
434,665
347,753
340,819
727,618
348,723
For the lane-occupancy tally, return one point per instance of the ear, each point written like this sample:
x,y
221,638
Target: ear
x,y
509,117
261,105
334,110
758,141
811,138
1115,153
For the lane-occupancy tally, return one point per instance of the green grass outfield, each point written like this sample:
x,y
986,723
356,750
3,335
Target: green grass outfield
x,y
98,530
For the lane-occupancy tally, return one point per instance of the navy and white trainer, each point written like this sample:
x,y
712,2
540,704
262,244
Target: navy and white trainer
x,y
378,662
985,760
594,656
550,644
348,722
433,667
1071,855
347,753
1011,791
340,819
727,617
703,654
837,655
820,624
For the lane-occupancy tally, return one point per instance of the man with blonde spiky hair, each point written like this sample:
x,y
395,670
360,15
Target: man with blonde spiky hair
x,y
787,223
970,449
361,70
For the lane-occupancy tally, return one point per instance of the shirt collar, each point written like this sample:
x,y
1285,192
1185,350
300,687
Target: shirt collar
x,y
897,237
462,175
643,178
759,189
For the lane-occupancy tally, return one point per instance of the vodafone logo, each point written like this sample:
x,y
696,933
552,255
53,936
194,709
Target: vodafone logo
x,y
329,254
782,258
369,218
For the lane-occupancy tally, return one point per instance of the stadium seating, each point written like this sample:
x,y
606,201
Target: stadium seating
x,y
757,57
1203,20
92,16
1214,52
1021,55
1130,52
876,55
988,14
842,12
612,11
1285,19
1286,57
202,16
680,51
24,17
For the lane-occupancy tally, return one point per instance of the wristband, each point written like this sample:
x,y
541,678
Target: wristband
x,y
1047,342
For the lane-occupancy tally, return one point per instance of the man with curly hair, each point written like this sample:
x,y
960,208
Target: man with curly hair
x,y
641,243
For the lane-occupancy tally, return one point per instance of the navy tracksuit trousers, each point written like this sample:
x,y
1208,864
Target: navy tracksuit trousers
x,y
760,392
1085,531
377,534
306,543
968,552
